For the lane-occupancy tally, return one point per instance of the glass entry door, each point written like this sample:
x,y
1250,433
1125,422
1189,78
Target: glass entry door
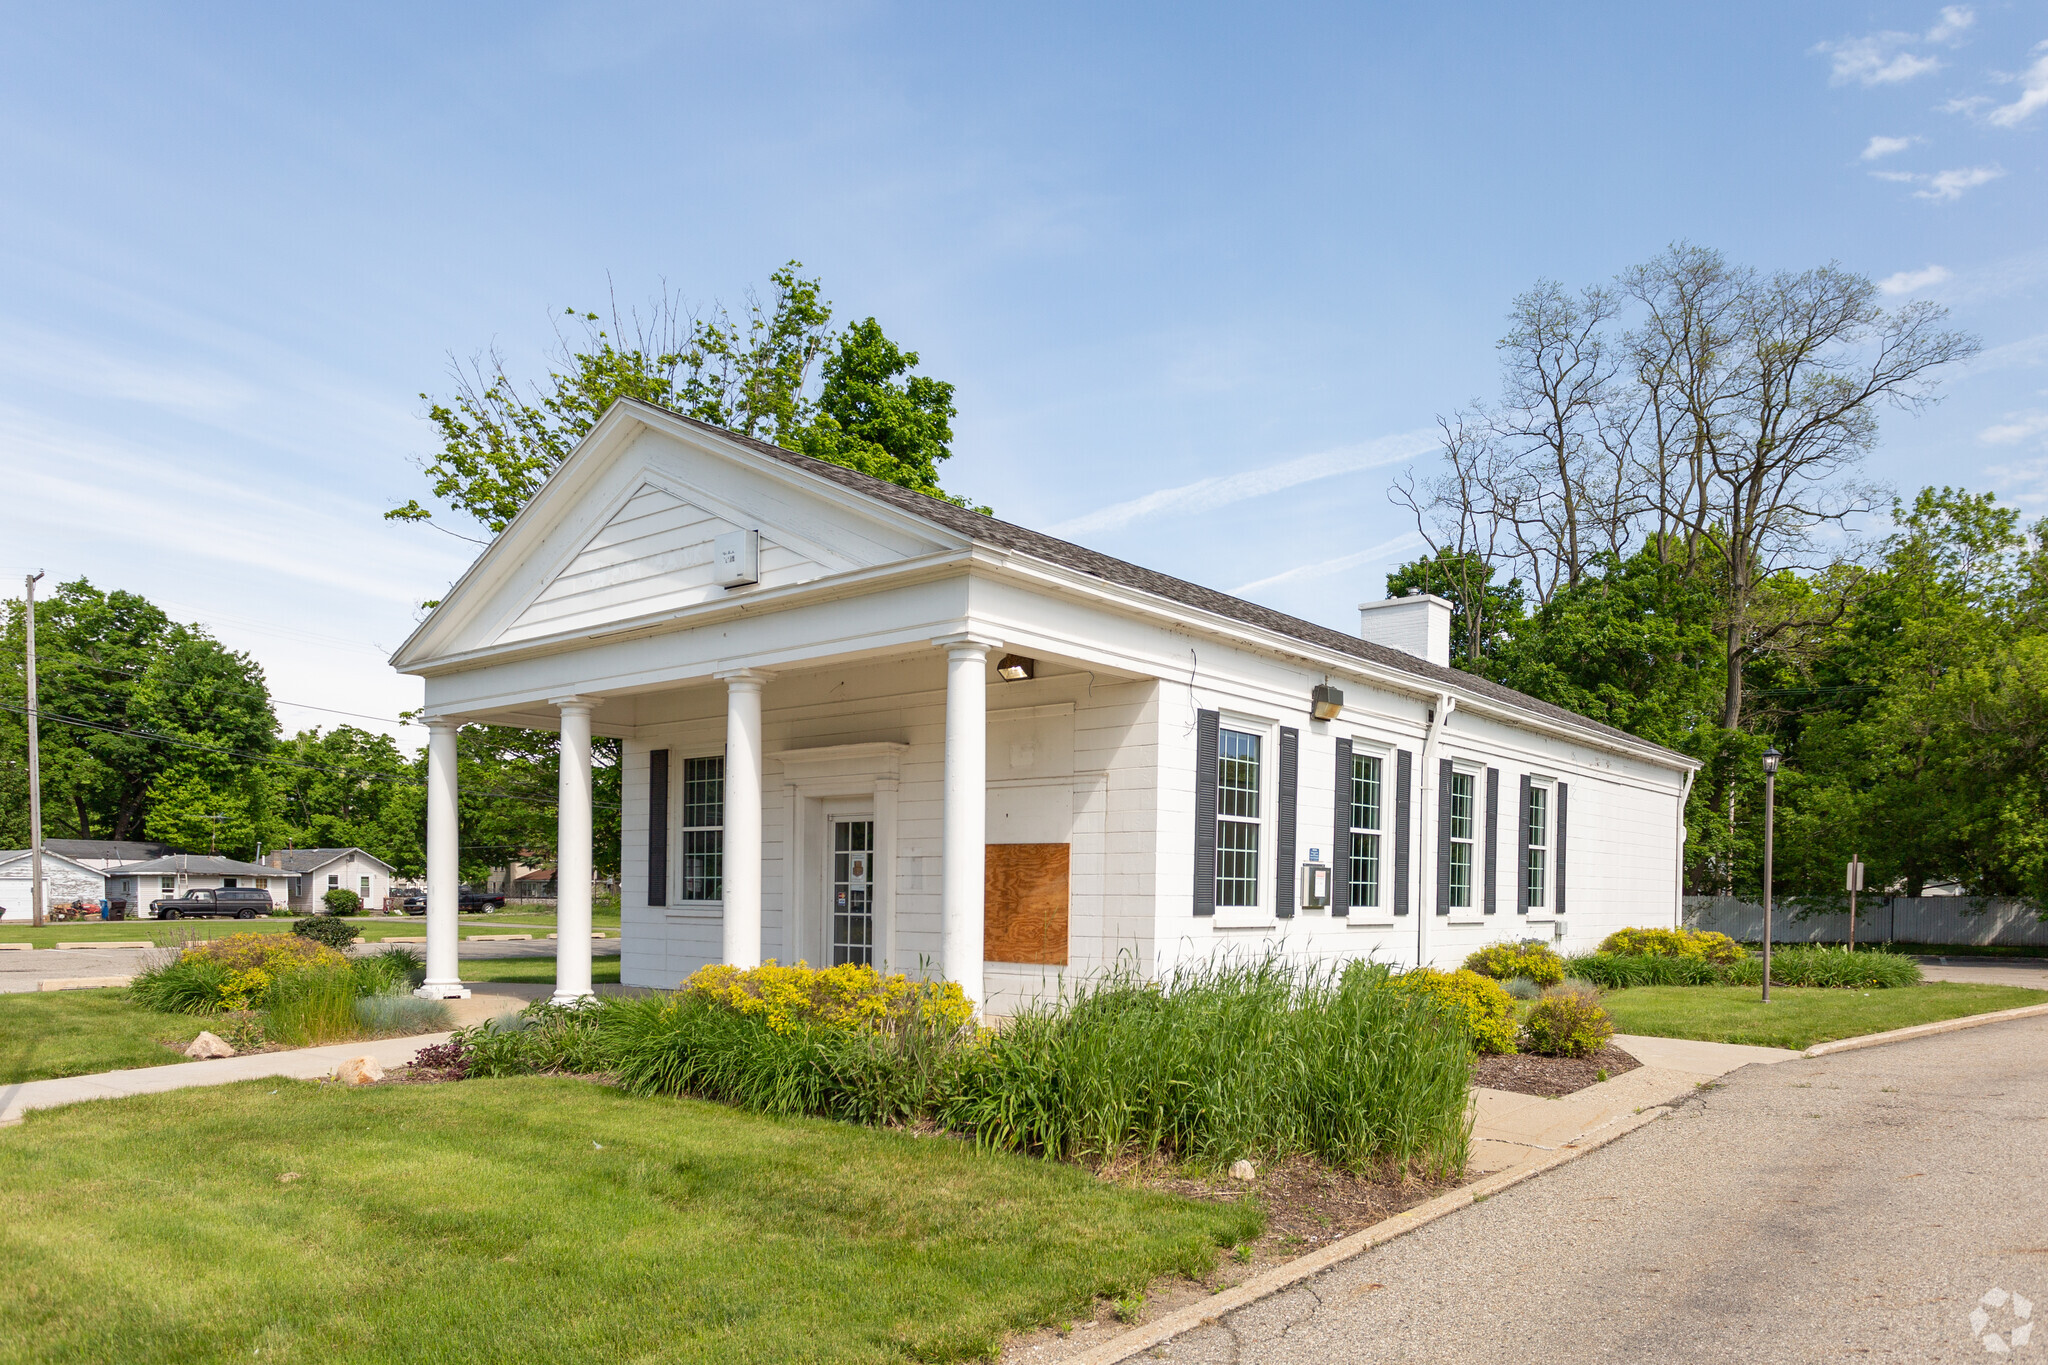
x,y
853,898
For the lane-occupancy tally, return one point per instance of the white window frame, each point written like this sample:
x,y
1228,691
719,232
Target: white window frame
x,y
1475,883
1380,915
1266,729
682,829
1548,786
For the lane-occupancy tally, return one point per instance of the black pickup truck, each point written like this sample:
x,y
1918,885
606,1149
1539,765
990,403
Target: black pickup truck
x,y
466,901
227,902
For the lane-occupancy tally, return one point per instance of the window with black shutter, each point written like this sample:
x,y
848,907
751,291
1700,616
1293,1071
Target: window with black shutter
x,y
1340,835
1207,729
657,827
1288,798
1404,782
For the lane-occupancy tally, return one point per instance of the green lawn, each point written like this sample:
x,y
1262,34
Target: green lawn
x,y
542,1219
536,971
1799,1017
76,1033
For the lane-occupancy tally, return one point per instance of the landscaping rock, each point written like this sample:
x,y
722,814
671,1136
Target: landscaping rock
x,y
209,1045
1243,1170
359,1071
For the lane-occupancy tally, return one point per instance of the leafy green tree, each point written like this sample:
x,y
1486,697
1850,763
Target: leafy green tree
x,y
211,708
1482,612
351,788
753,375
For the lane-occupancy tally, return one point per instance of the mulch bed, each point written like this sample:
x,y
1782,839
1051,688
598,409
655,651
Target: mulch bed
x,y
1550,1076
1307,1203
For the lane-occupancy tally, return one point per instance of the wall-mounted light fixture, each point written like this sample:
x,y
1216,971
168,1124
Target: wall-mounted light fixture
x,y
1325,702
1016,668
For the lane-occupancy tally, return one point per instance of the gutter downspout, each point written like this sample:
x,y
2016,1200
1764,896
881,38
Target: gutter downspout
x,y
1678,897
1425,824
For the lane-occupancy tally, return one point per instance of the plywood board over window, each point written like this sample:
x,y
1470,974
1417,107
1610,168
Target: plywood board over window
x,y
1025,904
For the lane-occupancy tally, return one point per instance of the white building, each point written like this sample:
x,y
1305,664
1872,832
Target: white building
x,y
176,873
313,872
862,724
66,880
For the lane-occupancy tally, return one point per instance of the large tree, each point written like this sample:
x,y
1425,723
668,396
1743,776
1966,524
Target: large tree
x,y
777,372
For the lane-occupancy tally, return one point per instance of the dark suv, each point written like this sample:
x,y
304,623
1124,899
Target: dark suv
x,y
236,902
466,900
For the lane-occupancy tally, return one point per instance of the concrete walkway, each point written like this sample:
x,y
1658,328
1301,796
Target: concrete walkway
x,y
2031,972
1882,1204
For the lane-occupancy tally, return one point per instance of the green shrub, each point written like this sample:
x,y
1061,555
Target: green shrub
x,y
326,929
1216,1062
1816,964
392,970
313,1007
1692,943
339,900
1482,1004
404,1014
1536,961
183,984
1567,1022
1618,971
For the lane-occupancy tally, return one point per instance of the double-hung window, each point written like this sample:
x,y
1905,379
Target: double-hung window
x,y
1536,867
1365,832
704,829
1238,772
1461,841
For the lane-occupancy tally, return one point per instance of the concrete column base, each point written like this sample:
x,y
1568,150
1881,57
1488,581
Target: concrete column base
x,y
443,990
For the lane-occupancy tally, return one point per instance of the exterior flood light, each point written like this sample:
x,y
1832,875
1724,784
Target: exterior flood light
x,y
1016,668
1325,702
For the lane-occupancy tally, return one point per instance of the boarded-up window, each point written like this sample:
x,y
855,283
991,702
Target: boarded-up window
x,y
1025,904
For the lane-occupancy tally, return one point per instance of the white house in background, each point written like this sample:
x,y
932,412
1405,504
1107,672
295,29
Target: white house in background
x,y
64,880
176,873
313,872
864,725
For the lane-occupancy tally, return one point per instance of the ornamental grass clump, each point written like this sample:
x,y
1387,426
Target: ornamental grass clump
x,y
1567,1022
1481,1004
1530,959
1618,971
1815,964
233,973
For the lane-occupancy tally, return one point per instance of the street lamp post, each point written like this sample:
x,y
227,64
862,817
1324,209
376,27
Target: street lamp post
x,y
1771,757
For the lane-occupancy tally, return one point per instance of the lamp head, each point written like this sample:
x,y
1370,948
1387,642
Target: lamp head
x,y
1326,702
1771,758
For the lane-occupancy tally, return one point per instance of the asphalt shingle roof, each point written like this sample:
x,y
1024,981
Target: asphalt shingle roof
x,y
1023,540
192,865
307,859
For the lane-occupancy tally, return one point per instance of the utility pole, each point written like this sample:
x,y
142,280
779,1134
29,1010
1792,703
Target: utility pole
x,y
35,764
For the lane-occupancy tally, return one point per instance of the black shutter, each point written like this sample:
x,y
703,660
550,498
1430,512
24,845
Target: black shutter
x,y
1492,830
1290,803
1557,882
1340,836
1403,775
1443,836
657,827
1522,850
1206,726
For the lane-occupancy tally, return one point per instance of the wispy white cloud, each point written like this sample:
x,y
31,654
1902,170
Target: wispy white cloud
x,y
1884,58
2021,427
1881,146
1913,281
2023,483
1206,495
2033,83
1944,186
1324,568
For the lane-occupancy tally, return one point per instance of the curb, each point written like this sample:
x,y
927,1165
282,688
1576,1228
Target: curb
x,y
80,983
1147,1335
1901,1035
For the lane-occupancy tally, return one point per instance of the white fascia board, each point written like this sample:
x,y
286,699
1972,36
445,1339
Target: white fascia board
x,y
1134,601
625,419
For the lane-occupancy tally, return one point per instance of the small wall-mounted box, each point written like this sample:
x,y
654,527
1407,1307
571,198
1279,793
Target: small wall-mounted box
x,y
1315,886
736,559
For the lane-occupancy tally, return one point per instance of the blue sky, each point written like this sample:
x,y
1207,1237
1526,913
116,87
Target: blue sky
x,y
1204,276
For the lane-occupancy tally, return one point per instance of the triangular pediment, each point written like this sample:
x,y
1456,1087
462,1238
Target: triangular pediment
x,y
623,533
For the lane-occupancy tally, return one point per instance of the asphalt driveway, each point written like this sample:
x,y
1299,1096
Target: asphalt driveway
x,y
1853,1207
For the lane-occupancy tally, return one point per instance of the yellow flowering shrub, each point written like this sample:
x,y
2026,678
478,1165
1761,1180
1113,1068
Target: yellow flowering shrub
x,y
1504,961
843,997
1703,944
1484,1004
255,960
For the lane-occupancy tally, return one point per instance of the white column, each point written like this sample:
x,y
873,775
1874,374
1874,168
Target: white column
x,y
963,853
444,843
573,855
742,861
